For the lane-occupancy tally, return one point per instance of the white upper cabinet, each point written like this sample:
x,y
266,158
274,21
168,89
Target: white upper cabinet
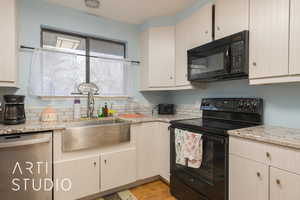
x,y
191,32
295,38
269,38
181,53
144,71
200,27
158,57
8,40
231,16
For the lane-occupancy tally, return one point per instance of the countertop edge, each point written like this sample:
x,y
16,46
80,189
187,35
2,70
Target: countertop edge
x,y
257,134
58,126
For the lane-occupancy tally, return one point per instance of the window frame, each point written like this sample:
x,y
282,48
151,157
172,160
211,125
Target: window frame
x,y
87,39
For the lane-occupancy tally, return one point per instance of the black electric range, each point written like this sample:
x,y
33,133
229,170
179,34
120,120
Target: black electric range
x,y
210,181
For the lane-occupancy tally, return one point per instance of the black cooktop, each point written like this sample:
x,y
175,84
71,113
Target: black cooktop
x,y
215,126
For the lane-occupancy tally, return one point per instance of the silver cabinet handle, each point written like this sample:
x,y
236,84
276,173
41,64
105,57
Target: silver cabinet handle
x,y
95,164
218,28
268,155
254,64
24,142
171,77
206,32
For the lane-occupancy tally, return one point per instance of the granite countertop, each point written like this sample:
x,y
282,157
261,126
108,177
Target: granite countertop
x,y
43,126
270,134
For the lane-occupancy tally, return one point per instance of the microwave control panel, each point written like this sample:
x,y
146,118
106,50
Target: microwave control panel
x,y
238,60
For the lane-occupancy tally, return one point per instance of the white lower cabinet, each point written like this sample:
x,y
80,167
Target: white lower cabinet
x,y
284,185
248,179
83,174
117,168
165,150
153,150
148,154
263,171
96,173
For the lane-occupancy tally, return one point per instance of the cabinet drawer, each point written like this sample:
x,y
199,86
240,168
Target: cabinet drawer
x,y
273,155
284,158
248,149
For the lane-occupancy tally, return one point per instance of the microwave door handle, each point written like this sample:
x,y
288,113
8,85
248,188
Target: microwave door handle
x,y
228,60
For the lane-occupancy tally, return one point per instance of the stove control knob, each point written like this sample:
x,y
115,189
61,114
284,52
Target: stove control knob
x,y
241,105
254,106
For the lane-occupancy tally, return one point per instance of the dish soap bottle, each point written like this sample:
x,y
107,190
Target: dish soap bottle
x,y
76,111
105,110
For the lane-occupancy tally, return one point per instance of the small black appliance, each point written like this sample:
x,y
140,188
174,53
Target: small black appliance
x,y
222,59
210,181
166,109
14,109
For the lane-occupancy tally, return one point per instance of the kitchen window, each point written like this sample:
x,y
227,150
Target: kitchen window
x,y
68,59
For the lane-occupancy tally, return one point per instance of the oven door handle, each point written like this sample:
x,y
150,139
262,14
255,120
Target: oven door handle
x,y
25,142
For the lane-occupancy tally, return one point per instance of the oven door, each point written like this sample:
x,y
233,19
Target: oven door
x,y
210,181
208,63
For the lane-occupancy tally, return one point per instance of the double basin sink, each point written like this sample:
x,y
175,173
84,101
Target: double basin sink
x,y
95,134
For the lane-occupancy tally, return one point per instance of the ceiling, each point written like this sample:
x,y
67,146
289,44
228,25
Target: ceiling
x,y
130,11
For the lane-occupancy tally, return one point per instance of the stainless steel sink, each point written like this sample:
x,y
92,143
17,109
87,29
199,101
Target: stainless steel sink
x,y
97,122
95,134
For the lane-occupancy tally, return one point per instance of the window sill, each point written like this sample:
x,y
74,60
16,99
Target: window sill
x,y
63,98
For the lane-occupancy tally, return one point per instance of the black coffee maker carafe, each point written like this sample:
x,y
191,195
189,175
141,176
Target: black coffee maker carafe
x,y
14,109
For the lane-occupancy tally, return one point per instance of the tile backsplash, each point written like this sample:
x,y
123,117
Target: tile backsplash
x,y
66,113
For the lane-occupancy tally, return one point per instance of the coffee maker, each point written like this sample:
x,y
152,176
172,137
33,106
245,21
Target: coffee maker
x,y
13,110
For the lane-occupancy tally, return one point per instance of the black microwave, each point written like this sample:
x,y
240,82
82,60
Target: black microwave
x,y
222,59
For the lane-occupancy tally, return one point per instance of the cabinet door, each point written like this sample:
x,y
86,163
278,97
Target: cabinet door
x,y
8,40
269,38
161,56
231,16
144,69
191,32
181,53
248,180
83,174
284,185
164,139
295,38
200,26
148,150
118,169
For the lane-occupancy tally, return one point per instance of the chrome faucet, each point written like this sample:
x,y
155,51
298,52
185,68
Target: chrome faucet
x,y
90,105
89,89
